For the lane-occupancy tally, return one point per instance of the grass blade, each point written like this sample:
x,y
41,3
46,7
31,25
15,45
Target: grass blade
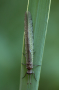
x,y
40,14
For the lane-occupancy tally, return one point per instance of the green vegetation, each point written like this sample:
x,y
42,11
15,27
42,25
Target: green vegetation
x,y
40,14
11,42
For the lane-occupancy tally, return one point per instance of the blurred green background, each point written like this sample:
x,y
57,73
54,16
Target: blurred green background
x,y
11,40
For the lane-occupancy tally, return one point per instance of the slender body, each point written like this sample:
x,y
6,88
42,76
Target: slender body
x,y
29,47
28,40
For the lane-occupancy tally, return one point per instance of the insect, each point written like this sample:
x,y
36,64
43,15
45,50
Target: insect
x,y
29,45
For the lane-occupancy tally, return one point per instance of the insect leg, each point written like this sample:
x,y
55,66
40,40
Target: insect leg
x,y
36,65
24,54
23,64
24,75
34,76
28,79
34,52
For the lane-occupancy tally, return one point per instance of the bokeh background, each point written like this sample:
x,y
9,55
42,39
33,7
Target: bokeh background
x,y
11,40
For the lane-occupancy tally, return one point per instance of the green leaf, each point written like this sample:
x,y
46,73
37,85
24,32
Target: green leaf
x,y
40,14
